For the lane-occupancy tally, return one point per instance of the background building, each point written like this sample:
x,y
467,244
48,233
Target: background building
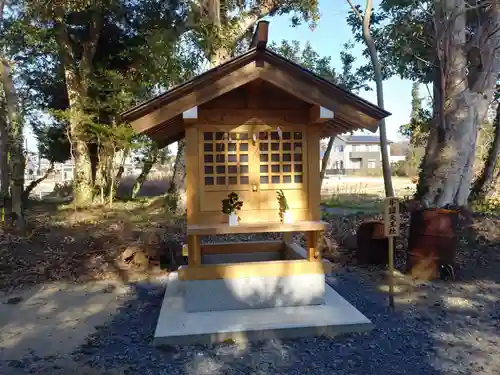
x,y
356,154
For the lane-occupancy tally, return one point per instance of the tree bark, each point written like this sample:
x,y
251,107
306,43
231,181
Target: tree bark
x,y
484,182
121,167
146,168
176,194
326,157
238,33
219,56
16,146
76,74
4,149
4,156
112,178
461,104
377,67
83,189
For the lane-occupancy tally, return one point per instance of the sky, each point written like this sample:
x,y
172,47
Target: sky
x,y
327,39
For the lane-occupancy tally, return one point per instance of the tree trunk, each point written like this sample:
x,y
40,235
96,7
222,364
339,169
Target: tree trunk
x,y
83,189
146,168
461,104
372,49
4,151
16,151
484,182
111,193
176,195
121,168
78,69
326,157
33,184
4,159
386,168
219,56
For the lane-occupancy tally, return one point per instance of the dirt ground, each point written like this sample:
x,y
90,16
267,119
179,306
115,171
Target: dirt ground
x,y
68,270
70,245
55,317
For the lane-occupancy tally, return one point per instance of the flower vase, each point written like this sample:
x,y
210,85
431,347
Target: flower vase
x,y
287,217
233,219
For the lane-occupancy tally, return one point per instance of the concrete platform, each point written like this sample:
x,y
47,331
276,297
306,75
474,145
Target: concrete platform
x,y
178,327
256,292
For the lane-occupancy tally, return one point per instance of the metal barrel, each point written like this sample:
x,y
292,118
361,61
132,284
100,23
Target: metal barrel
x,y
372,245
432,242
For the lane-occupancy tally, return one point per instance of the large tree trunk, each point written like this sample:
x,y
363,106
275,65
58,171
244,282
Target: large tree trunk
x,y
176,195
83,189
219,56
326,157
78,69
4,158
146,168
16,151
4,149
237,32
484,182
463,93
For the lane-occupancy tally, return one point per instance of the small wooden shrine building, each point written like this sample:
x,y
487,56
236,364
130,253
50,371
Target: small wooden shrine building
x,y
253,126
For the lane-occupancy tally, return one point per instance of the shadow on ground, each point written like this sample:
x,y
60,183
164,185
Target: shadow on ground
x,y
150,188
438,328
415,339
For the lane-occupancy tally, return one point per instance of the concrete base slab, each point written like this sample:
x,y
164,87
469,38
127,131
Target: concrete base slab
x,y
177,327
254,292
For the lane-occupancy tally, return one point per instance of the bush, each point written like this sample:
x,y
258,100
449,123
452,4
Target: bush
x,y
404,168
487,206
63,190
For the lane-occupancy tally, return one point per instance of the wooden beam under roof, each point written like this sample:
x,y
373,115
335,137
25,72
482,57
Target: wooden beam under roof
x,y
196,97
311,93
320,114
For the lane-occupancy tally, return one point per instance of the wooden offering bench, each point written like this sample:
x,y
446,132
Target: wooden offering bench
x,y
250,131
256,274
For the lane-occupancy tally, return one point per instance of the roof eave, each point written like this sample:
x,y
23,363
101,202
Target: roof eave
x,y
177,91
371,109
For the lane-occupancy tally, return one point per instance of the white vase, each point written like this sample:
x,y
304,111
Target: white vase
x,y
287,217
233,219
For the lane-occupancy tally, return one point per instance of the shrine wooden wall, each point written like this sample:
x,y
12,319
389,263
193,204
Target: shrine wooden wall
x,y
257,107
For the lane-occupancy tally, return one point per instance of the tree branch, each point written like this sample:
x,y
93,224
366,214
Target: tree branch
x,y
2,6
90,46
377,68
251,18
33,184
66,50
355,11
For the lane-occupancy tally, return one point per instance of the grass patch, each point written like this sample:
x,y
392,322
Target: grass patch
x,y
353,197
360,201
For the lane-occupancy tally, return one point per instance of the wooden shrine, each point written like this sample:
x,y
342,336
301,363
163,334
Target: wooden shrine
x,y
252,126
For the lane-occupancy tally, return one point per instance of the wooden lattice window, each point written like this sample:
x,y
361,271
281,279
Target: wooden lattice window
x,y
281,158
225,159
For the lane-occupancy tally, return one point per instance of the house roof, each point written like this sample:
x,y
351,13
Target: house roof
x,y
364,139
161,117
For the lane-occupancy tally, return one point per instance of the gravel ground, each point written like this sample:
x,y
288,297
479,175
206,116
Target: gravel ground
x,y
446,335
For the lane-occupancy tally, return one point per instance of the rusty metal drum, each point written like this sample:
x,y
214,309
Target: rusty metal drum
x,y
372,245
432,242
